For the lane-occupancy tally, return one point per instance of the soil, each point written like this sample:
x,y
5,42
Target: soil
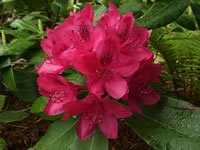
x,y
21,135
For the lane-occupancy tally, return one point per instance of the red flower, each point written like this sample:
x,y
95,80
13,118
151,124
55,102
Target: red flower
x,y
97,111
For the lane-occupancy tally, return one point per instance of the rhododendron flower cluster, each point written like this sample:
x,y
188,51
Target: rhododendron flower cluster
x,y
112,56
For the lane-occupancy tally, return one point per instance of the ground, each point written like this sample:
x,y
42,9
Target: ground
x,y
22,135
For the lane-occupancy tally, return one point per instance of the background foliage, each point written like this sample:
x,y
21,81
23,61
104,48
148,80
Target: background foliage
x,y
171,124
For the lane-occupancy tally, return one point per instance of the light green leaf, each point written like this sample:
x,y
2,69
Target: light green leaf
x,y
98,11
39,105
59,136
171,124
8,78
11,116
76,78
97,142
22,24
2,101
162,13
17,45
27,86
132,6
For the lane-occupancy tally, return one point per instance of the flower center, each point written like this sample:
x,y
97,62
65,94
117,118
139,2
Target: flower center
x,y
143,90
104,72
84,32
94,118
58,97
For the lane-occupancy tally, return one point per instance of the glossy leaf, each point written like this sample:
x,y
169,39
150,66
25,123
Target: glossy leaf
x,y
2,101
186,22
59,136
17,45
11,116
27,86
22,24
4,61
9,79
132,6
76,78
196,12
39,105
16,33
97,142
162,13
171,124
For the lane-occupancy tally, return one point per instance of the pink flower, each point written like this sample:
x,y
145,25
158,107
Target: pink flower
x,y
140,92
76,36
133,40
105,67
58,90
97,111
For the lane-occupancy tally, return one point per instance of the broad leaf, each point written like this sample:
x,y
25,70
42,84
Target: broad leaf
x,y
196,12
11,116
22,24
97,142
162,13
17,45
76,78
39,105
4,61
98,11
2,144
59,136
186,22
47,117
171,124
27,86
132,6
8,78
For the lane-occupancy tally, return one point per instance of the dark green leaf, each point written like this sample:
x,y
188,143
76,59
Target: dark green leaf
x,y
58,6
97,142
11,116
186,22
17,45
196,12
27,86
4,61
59,136
132,6
2,101
39,104
76,78
2,144
8,78
171,124
47,117
162,13
22,24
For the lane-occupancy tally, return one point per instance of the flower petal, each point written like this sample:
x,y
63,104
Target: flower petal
x,y
53,109
116,86
95,85
109,124
85,128
86,64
